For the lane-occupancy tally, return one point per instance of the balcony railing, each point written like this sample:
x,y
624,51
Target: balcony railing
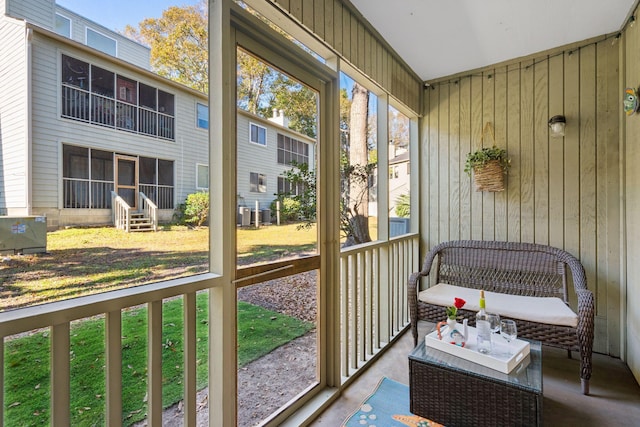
x,y
79,104
102,110
373,311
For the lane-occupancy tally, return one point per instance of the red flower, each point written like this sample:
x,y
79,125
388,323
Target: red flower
x,y
452,312
459,303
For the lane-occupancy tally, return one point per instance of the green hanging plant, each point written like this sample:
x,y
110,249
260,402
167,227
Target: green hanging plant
x,y
480,157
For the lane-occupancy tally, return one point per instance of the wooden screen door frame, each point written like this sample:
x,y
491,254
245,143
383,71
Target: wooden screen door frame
x,y
126,186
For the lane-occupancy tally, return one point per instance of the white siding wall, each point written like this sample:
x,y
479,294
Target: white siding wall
x,y
13,115
263,160
398,185
43,14
192,145
50,131
39,12
127,49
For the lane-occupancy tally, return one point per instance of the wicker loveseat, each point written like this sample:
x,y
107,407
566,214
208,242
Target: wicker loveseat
x,y
526,272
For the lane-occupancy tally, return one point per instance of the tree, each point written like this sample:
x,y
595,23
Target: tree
x,y
254,82
298,101
357,173
357,164
179,44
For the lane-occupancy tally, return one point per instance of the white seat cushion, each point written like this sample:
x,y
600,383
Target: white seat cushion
x,y
547,310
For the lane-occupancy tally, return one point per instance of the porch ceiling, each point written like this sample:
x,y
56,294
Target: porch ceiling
x,y
442,37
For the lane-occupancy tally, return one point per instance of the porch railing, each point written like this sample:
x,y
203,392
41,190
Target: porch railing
x,y
373,298
57,318
373,311
149,209
85,193
120,212
162,195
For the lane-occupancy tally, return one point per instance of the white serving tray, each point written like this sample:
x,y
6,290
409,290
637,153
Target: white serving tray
x,y
499,359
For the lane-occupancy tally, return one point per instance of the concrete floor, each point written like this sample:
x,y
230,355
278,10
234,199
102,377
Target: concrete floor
x,y
614,399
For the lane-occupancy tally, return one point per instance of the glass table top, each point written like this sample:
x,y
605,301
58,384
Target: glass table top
x,y
526,375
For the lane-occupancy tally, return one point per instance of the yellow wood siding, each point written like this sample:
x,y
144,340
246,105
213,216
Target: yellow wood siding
x,y
559,191
631,172
341,27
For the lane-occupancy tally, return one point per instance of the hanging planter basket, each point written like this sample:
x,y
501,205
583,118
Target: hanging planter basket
x,y
489,177
489,165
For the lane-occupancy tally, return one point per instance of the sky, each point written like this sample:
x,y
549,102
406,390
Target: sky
x,y
116,14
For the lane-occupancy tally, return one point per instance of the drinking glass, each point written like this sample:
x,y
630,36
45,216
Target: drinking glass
x,y
494,323
508,331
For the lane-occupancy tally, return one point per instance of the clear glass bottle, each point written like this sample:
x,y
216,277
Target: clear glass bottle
x,y
483,328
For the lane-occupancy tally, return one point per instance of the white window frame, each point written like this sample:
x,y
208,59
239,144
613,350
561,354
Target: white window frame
x,y
198,166
259,188
70,25
198,104
259,127
86,41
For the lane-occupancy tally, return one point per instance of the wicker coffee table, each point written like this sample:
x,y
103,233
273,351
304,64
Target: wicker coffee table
x,y
455,392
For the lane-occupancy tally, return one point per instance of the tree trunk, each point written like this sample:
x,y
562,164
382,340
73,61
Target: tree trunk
x,y
358,201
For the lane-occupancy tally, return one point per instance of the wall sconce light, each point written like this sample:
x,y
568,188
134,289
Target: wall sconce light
x,y
556,124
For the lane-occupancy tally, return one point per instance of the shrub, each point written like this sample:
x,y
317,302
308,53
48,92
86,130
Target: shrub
x,y
196,208
289,209
403,205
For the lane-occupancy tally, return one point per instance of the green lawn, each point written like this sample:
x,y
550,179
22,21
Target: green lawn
x,y
84,261
27,393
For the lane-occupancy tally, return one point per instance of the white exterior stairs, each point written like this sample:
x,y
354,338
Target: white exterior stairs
x,y
127,219
138,221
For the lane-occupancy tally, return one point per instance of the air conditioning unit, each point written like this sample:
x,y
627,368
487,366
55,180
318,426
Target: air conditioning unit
x,y
23,234
244,216
265,216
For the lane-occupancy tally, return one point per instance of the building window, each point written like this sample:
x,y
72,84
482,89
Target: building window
x,y
156,181
292,151
202,177
101,42
63,25
258,134
102,97
87,177
286,187
202,113
257,183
